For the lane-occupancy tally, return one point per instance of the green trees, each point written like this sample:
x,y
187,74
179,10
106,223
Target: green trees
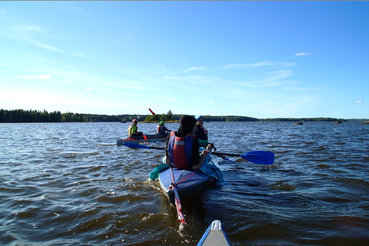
x,y
169,115
20,115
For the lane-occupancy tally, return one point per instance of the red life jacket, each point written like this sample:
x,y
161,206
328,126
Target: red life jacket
x,y
180,151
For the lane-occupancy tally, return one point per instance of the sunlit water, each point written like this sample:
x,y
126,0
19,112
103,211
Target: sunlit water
x,y
70,184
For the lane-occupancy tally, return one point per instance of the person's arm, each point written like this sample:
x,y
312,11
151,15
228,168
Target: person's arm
x,y
204,154
167,158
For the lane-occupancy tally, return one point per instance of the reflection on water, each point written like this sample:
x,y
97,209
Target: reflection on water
x,y
69,183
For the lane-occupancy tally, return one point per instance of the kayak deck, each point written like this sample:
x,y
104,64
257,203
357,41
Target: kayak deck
x,y
214,235
187,182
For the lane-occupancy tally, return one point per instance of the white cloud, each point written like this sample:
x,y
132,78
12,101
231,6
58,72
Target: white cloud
x,y
303,54
25,29
42,76
193,69
49,47
304,89
87,88
173,77
262,64
359,101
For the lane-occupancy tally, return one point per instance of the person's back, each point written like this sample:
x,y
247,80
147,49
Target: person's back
x,y
183,146
161,129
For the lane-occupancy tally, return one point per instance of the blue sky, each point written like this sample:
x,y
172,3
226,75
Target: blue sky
x,y
259,59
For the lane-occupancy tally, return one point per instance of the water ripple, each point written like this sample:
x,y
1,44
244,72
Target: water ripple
x,y
72,185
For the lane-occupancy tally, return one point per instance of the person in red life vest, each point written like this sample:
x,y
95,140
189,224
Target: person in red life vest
x,y
182,149
160,128
201,132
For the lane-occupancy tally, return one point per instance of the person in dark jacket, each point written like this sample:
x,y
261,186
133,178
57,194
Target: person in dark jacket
x,y
201,132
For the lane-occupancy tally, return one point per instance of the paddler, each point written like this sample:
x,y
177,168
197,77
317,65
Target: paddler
x,y
201,132
160,128
133,128
182,148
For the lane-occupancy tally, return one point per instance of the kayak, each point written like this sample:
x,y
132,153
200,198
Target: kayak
x,y
214,235
141,138
186,182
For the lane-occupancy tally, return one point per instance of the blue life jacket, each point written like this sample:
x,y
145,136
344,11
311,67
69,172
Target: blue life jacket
x,y
180,151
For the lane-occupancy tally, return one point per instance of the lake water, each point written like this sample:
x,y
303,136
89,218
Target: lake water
x,y
70,184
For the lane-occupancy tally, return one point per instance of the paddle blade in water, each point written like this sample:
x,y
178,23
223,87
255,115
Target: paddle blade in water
x,y
259,157
141,146
134,145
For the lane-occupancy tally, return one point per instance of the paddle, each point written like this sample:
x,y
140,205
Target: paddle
x,y
257,157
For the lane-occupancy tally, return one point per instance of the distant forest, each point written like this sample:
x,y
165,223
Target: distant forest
x,y
20,115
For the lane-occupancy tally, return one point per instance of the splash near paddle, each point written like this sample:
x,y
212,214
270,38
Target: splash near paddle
x,y
151,111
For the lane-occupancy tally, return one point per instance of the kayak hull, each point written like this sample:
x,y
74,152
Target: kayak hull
x,y
140,138
187,182
214,235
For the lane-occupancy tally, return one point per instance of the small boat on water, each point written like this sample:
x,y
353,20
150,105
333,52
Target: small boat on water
x,y
143,138
184,182
214,235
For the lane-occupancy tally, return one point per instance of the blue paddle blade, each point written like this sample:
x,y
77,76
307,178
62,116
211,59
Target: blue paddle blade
x,y
259,157
141,146
134,145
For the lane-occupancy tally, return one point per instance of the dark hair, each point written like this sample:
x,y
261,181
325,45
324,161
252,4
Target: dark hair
x,y
186,125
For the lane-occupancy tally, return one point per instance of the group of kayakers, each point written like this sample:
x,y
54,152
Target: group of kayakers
x,y
182,146
133,128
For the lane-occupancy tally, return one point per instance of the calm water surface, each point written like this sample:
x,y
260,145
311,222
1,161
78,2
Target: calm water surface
x,y
70,184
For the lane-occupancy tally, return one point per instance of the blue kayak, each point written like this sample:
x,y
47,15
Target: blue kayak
x,y
214,235
185,182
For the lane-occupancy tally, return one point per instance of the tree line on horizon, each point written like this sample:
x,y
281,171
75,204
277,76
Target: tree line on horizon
x,y
20,115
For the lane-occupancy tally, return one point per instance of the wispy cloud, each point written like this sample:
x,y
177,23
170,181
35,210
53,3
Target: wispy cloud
x,y
173,77
262,64
359,101
49,47
304,89
42,76
303,54
27,29
275,79
194,69
87,88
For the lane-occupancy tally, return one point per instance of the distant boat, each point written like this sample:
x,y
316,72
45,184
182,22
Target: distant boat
x,y
123,121
337,122
298,123
365,122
